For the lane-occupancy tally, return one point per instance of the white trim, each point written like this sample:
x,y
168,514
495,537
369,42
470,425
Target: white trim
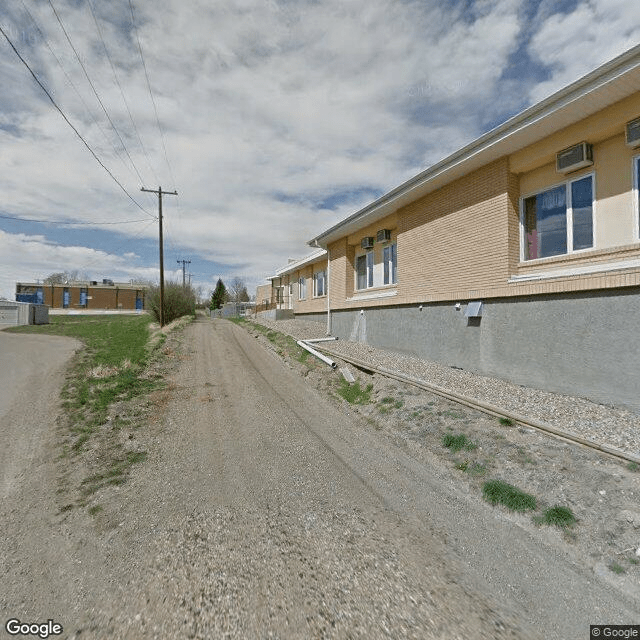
x,y
577,271
569,216
373,295
635,168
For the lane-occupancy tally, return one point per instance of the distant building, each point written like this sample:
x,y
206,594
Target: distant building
x,y
84,295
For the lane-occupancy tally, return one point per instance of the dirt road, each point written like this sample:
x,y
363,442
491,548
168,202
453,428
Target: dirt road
x,y
266,511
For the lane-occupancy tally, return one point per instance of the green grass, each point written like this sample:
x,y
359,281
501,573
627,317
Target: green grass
x,y
616,568
500,492
285,345
561,517
110,368
507,422
354,393
457,442
472,468
633,466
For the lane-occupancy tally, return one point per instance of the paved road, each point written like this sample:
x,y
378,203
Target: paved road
x,y
265,511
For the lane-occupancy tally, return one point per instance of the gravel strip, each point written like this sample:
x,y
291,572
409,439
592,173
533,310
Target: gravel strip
x,y
604,424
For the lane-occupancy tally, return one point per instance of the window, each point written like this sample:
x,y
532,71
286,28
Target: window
x,y
390,258
319,283
364,271
558,220
302,288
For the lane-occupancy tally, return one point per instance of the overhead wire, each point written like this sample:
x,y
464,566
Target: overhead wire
x,y
73,86
124,99
73,224
106,113
153,101
66,119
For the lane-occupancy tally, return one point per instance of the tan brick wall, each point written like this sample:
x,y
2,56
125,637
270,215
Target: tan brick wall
x,y
310,304
263,292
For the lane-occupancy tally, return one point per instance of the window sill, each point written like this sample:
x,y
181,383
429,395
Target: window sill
x,y
586,269
373,294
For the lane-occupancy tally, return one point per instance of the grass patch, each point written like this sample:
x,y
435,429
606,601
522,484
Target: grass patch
x,y
616,568
507,422
561,517
354,393
95,510
472,468
112,367
500,492
633,466
457,442
286,346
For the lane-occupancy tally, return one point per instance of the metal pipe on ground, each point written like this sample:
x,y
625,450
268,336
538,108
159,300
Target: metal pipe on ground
x,y
317,354
314,340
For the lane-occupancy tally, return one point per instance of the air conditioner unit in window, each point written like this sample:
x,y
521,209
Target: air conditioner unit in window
x,y
632,131
367,243
574,158
384,235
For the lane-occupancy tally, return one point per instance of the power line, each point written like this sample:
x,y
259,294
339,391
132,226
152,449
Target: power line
x,y
66,119
124,99
67,223
155,109
73,86
106,113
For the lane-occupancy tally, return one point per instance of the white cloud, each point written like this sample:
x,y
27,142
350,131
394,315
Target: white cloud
x,y
573,44
27,258
267,108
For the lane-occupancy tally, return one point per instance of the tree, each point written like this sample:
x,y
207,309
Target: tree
x,y
65,277
219,296
238,290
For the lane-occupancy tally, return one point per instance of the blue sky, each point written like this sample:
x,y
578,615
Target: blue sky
x,y
278,118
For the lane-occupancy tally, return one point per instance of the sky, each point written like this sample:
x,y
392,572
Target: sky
x,y
272,119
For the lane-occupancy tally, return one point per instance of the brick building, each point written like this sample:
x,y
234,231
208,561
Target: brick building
x,y
517,256
84,295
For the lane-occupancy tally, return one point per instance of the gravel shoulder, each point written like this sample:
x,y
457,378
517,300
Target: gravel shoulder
x,y
600,490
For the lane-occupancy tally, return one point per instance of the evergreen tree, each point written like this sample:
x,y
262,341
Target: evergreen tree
x,y
219,296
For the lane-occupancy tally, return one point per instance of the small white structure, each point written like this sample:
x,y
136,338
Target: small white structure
x,y
17,313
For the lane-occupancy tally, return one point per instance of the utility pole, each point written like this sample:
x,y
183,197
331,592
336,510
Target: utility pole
x,y
166,193
184,263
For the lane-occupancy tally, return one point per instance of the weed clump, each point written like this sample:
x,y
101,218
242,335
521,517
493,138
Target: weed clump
x,y
354,393
500,492
457,442
561,517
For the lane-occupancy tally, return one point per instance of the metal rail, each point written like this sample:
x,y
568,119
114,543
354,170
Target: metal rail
x,y
485,407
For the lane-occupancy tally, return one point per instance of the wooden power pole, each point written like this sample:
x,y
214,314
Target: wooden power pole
x,y
159,191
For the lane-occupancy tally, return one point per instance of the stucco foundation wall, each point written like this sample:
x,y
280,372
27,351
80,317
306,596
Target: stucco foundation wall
x,y
584,344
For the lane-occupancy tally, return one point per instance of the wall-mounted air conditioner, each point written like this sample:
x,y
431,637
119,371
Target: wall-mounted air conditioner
x,y
384,235
632,133
367,243
574,158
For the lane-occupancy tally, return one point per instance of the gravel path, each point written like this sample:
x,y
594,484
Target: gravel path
x,y
604,424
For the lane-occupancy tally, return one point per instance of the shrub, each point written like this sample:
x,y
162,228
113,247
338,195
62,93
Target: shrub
x,y
178,301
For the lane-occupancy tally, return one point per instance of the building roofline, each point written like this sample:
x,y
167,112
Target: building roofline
x,y
298,264
525,128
